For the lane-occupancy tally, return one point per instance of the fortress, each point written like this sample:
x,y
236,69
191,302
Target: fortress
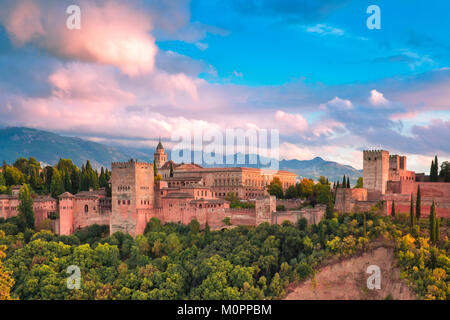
x,y
184,192
386,180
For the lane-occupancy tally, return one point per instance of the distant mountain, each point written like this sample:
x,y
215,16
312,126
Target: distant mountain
x,y
313,169
49,147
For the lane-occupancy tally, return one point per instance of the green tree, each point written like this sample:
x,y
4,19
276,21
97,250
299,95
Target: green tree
x,y
75,179
26,206
13,176
344,182
393,208
412,218
418,203
359,183
275,188
348,182
437,233
291,193
329,213
6,281
57,185
155,169
432,221
445,171
171,169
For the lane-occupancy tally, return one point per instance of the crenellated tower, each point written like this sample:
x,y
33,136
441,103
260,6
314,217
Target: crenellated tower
x,y
376,165
132,196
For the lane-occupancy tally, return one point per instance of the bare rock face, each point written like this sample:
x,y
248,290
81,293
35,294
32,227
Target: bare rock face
x,y
347,280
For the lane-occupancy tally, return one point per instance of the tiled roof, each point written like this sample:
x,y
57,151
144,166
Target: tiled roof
x,y
178,195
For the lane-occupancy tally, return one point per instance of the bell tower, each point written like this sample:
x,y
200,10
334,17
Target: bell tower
x,y
160,156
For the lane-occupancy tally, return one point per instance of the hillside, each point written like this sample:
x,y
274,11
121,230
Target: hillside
x,y
48,148
317,167
347,280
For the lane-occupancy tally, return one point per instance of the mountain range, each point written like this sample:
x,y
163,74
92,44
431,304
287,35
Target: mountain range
x,y
48,148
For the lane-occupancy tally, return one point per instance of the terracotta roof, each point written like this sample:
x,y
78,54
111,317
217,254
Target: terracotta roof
x,y
94,193
178,195
7,196
208,201
183,178
43,199
66,195
167,165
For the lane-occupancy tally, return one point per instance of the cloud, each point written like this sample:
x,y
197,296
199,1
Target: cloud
x,y
323,29
377,99
111,33
291,123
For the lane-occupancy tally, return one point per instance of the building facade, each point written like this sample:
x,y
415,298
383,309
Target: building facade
x,y
386,180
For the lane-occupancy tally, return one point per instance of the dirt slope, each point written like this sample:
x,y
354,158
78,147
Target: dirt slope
x,y
347,280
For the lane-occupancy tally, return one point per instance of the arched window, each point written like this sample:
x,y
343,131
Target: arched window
x,y
86,208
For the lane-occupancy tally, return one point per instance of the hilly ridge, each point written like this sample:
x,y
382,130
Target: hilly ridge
x,y
48,148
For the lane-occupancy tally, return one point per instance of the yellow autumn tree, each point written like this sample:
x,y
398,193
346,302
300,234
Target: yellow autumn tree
x,y
6,282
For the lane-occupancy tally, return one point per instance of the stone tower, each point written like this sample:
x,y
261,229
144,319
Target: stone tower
x,y
375,170
132,196
160,156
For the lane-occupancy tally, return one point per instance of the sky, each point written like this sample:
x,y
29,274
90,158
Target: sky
x,y
138,70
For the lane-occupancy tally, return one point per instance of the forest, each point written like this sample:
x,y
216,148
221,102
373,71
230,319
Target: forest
x,y
175,261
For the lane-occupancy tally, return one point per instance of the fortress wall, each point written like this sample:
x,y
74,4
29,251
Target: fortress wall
x,y
312,215
83,219
290,203
442,208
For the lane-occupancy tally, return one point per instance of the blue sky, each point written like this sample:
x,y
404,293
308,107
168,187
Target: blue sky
x,y
140,69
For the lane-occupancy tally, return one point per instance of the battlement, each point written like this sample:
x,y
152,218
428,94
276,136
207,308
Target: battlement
x,y
374,154
128,164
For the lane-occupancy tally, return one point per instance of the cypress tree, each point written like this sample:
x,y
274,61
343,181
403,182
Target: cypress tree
x,y
432,223
432,171
66,181
348,182
344,182
75,179
437,234
418,203
155,170
26,206
412,221
171,170
329,213
436,169
57,185
393,209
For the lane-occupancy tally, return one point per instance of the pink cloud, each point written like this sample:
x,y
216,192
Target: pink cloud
x,y
113,33
377,99
291,123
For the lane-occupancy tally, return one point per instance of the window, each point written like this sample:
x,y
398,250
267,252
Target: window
x,y
86,208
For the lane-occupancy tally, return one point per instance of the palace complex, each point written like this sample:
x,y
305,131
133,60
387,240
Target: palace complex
x,y
184,192
386,180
